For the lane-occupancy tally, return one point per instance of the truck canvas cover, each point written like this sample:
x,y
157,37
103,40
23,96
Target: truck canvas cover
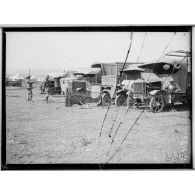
x,y
167,68
108,68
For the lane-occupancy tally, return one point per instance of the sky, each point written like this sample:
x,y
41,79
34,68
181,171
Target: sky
x,y
45,52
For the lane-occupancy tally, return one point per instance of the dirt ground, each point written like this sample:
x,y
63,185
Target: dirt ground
x,y
38,132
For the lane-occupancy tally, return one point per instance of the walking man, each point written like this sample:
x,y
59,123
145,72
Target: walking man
x,y
47,87
29,88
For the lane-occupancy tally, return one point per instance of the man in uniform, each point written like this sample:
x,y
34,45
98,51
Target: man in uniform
x,y
172,89
47,87
29,88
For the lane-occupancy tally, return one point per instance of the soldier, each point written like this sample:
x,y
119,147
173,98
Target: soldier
x,y
29,88
47,87
172,89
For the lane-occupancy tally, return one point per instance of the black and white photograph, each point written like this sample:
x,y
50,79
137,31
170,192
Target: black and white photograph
x,y
97,97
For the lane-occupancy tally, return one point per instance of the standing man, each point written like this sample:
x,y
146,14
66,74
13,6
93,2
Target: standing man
x,y
172,89
47,87
29,88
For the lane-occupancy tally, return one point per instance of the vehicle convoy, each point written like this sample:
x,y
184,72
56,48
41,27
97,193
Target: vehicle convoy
x,y
174,66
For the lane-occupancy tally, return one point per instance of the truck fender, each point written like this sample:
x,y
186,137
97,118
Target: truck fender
x,y
121,91
166,96
106,91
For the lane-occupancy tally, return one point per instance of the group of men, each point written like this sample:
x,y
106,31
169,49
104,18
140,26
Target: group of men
x,y
29,87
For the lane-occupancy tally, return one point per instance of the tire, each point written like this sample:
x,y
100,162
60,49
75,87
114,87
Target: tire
x,y
105,99
156,104
129,101
120,100
82,100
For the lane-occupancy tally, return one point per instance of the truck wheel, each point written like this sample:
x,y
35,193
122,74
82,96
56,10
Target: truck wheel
x,y
156,104
120,100
82,100
105,99
129,101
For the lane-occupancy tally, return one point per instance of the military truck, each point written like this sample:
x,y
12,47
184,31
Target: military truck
x,y
174,66
110,79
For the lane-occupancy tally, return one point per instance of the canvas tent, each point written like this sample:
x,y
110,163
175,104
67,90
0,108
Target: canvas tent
x,y
64,74
57,76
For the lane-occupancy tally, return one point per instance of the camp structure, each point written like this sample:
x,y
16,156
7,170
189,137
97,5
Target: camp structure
x,y
15,80
55,83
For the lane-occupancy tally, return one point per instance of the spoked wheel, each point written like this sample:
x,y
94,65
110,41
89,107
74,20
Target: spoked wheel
x,y
105,99
129,101
156,104
120,100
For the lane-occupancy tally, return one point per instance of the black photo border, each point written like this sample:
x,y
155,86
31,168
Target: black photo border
x,y
90,28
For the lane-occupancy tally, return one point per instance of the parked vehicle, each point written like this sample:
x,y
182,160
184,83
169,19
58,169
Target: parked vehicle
x,y
141,92
132,73
54,87
108,84
175,66
137,94
79,91
109,79
153,93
